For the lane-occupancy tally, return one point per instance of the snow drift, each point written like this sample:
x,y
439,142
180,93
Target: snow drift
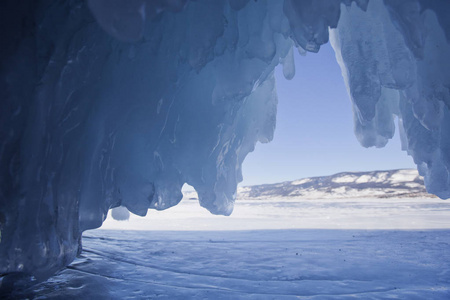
x,y
119,103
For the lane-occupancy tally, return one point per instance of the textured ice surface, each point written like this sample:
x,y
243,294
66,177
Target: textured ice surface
x,y
262,264
109,103
338,249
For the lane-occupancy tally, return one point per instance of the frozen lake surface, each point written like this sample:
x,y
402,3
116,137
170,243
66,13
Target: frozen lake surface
x,y
272,249
295,213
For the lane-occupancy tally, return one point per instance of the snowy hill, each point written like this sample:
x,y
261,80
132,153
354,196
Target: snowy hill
x,y
375,184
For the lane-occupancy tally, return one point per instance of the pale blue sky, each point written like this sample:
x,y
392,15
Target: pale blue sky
x,y
314,134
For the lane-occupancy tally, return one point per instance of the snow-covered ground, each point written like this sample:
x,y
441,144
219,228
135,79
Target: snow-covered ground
x,y
267,249
295,213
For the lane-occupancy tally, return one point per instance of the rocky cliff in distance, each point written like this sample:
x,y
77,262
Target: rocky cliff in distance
x,y
375,184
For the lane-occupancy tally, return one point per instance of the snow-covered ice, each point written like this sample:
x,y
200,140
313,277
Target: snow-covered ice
x,y
295,213
268,249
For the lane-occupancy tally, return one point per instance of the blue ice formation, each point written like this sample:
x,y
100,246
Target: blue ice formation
x,y
120,213
108,103
395,58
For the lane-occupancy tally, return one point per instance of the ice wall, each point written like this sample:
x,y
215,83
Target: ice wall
x,y
108,103
395,60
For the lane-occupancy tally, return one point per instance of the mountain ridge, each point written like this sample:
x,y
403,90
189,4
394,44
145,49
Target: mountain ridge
x,y
398,183
378,184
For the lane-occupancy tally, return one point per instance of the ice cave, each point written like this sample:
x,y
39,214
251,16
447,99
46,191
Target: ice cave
x,y
108,103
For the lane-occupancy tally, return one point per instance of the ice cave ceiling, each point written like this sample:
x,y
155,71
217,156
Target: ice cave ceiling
x,y
114,102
